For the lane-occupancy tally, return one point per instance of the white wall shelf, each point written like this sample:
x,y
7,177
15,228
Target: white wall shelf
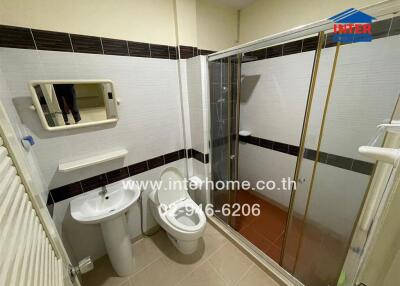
x,y
90,161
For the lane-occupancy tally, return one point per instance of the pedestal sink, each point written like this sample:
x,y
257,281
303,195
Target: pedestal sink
x,y
108,208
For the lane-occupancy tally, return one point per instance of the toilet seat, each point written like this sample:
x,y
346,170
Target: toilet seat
x,y
178,216
181,218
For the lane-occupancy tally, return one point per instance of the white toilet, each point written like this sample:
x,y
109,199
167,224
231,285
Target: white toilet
x,y
174,210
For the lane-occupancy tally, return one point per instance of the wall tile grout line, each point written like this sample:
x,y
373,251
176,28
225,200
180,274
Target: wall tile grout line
x,y
34,41
149,50
127,46
70,40
101,43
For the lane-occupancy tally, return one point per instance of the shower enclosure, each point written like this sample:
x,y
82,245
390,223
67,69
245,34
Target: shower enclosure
x,y
298,108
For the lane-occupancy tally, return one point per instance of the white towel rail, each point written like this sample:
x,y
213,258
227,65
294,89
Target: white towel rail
x,y
27,257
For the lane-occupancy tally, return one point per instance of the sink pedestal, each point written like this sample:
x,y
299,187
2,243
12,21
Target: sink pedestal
x,y
118,245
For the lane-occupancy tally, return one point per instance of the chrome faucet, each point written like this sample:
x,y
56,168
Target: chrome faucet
x,y
103,191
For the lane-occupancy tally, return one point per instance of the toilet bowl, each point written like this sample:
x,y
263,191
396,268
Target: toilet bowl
x,y
174,210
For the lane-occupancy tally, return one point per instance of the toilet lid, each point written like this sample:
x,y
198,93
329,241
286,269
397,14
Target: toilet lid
x,y
172,188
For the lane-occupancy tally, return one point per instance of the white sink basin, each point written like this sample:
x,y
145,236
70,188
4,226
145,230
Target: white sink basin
x,y
94,208
109,211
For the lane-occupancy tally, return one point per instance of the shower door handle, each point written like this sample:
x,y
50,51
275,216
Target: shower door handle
x,y
232,157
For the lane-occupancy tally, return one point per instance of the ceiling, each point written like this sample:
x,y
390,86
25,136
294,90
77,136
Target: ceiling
x,y
238,4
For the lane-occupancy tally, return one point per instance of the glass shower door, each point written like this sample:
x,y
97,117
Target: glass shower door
x,y
224,128
356,90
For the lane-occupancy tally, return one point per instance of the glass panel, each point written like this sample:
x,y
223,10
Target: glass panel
x,y
223,96
364,93
274,91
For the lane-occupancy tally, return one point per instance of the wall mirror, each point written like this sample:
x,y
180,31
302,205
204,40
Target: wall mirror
x,y
63,104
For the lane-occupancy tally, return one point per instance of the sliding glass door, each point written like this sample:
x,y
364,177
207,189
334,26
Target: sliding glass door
x,y
305,108
224,88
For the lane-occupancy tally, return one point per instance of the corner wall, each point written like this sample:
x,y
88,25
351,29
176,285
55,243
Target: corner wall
x,y
267,17
217,26
206,25
135,20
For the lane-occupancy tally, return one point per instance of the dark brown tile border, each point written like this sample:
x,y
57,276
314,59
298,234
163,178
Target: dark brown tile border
x,y
115,47
205,52
117,175
26,38
86,44
16,37
186,52
159,51
52,41
76,188
65,192
294,47
203,158
172,53
137,49
350,164
93,183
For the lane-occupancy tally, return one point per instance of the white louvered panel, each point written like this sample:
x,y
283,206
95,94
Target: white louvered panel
x,y
5,165
8,219
27,264
3,153
46,266
42,259
60,277
52,269
10,246
36,264
6,202
27,256
6,180
23,244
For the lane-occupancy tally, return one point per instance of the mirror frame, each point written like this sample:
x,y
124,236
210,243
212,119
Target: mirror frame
x,y
39,111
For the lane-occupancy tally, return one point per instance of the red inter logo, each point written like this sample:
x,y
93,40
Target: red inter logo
x,y
352,26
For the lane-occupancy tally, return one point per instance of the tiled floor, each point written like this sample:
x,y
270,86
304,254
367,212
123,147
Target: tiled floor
x,y
264,231
218,262
320,253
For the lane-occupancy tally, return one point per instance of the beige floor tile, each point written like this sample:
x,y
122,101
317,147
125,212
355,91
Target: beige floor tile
x,y
203,275
256,277
103,275
230,263
208,244
127,283
213,240
163,271
145,251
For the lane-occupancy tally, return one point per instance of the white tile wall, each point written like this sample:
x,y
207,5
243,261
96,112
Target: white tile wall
x,y
336,196
256,163
150,113
150,125
364,94
20,131
198,104
273,97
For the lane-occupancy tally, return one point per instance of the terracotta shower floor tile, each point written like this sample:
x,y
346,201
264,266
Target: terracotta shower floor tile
x,y
258,240
264,231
